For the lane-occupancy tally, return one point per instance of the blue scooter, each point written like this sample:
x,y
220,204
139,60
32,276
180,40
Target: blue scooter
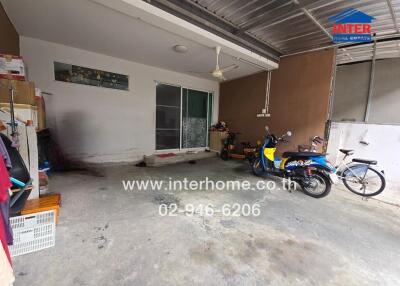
x,y
310,170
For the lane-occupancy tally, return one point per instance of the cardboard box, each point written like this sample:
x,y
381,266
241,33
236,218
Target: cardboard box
x,y
12,67
24,91
216,140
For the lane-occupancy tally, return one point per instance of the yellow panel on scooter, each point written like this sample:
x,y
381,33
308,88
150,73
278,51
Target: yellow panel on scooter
x,y
283,162
269,153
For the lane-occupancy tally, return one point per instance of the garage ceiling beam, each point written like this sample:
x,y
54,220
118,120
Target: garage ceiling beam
x,y
313,19
347,54
203,18
318,24
235,29
393,14
260,20
346,45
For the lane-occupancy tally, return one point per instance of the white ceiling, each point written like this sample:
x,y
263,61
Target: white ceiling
x,y
91,26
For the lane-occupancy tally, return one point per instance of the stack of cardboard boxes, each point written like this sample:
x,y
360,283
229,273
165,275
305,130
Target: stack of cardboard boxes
x,y
28,109
28,103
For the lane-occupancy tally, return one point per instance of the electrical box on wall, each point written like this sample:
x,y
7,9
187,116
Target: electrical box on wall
x,y
263,113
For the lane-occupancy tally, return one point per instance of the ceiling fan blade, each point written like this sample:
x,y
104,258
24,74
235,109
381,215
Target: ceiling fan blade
x,y
198,72
229,68
218,72
210,74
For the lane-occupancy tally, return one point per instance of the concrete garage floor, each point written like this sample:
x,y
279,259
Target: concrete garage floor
x,y
107,236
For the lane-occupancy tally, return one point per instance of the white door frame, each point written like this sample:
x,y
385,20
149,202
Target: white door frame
x,y
180,149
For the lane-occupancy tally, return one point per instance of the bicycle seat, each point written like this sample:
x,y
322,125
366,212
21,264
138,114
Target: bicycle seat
x,y
301,154
365,161
347,152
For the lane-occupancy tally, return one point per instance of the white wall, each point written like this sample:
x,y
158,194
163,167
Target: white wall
x,y
384,145
385,103
99,124
351,92
352,88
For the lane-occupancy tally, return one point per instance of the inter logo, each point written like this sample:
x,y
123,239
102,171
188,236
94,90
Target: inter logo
x,y
351,25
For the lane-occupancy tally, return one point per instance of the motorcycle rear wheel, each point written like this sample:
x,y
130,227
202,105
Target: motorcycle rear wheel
x,y
224,155
315,180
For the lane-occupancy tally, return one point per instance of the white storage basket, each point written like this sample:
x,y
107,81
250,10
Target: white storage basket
x,y
33,232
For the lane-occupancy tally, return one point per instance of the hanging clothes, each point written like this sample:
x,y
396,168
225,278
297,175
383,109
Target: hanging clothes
x,y
6,272
5,182
4,154
5,213
3,239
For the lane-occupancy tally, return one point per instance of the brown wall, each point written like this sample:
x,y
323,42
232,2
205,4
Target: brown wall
x,y
298,101
9,38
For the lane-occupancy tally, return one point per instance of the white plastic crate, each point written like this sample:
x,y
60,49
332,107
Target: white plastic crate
x,y
33,232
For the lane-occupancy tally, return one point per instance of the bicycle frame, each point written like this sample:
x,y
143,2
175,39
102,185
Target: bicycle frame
x,y
343,166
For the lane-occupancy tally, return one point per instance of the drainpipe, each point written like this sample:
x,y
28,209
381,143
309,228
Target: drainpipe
x,y
371,84
330,102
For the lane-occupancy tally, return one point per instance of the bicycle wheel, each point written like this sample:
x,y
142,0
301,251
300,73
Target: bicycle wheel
x,y
364,180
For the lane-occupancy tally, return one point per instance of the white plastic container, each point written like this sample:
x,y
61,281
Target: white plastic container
x,y
33,232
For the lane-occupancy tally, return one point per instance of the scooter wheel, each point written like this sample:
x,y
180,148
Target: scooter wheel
x,y
257,167
318,185
224,155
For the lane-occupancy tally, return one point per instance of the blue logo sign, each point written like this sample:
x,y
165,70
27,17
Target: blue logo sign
x,y
351,25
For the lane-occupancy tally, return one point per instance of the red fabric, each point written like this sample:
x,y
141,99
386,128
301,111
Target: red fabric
x,y
5,183
166,155
3,238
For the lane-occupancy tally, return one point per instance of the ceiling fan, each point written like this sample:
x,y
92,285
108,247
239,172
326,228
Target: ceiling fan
x,y
219,72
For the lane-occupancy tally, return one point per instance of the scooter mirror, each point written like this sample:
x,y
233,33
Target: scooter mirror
x,y
289,133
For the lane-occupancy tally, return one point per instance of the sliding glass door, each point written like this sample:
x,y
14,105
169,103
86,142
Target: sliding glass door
x,y
194,118
168,116
183,117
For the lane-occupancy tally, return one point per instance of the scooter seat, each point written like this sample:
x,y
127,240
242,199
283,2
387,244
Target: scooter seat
x,y
301,154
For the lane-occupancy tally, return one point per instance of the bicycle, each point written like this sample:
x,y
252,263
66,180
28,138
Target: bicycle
x,y
359,177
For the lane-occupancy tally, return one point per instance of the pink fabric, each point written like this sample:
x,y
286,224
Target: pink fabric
x,y
5,183
3,238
